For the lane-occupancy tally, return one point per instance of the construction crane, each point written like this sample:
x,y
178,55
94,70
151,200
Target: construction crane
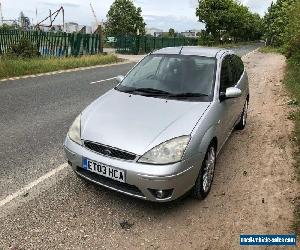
x,y
99,28
1,15
94,14
52,16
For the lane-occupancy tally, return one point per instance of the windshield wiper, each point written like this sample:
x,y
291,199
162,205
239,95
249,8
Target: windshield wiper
x,y
150,91
187,95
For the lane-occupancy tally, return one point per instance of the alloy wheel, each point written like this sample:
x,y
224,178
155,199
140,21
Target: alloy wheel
x,y
209,169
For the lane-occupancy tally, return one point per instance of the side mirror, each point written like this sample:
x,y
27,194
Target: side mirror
x,y
120,78
231,92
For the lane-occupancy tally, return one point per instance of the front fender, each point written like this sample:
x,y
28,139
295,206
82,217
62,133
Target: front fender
x,y
200,142
209,135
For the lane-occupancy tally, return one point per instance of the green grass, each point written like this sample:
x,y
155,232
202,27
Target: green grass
x,y
270,49
234,45
292,80
20,67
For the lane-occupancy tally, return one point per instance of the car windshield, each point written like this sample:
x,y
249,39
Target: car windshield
x,y
177,76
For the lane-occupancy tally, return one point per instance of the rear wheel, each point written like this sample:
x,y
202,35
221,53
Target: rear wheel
x,y
243,120
205,178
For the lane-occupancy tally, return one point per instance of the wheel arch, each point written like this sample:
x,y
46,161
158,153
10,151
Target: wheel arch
x,y
209,138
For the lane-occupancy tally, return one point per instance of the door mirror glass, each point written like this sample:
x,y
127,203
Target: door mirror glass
x,y
233,92
120,78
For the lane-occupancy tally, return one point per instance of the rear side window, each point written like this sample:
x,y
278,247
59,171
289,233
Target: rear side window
x,y
226,79
237,68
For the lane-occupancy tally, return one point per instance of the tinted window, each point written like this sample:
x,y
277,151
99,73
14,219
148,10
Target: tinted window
x,y
175,74
237,68
226,79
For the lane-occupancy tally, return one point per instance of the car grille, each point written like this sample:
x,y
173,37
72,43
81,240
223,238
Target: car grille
x,y
110,152
110,183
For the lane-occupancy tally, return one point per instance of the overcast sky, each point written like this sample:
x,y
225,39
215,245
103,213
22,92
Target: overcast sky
x,y
163,14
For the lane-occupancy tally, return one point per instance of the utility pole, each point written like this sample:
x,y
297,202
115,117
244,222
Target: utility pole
x,y
36,16
50,16
63,17
1,14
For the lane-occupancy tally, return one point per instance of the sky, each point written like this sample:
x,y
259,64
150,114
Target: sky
x,y
162,14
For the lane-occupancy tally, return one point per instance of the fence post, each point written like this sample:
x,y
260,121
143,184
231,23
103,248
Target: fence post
x,y
101,40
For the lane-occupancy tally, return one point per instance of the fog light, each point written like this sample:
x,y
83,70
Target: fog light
x,y
161,194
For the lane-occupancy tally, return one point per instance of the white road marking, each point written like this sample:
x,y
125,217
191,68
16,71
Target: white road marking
x,y
31,185
105,80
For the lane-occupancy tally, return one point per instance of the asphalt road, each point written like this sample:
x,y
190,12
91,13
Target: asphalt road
x,y
35,115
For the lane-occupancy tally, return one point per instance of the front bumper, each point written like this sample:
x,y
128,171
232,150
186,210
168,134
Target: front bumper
x,y
141,179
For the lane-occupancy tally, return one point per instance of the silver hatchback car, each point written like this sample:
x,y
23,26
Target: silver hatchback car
x,y
157,134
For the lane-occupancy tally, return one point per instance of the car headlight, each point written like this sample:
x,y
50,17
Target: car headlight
x,y
168,152
75,130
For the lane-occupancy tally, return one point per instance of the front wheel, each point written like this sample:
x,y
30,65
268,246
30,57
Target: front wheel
x,y
243,120
205,178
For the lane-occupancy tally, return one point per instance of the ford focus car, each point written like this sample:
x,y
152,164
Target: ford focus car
x,y
157,134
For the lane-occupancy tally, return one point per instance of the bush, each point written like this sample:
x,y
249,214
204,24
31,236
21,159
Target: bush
x,y
292,34
23,49
206,39
293,48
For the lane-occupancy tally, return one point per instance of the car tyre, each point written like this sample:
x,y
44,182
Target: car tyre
x,y
243,120
205,178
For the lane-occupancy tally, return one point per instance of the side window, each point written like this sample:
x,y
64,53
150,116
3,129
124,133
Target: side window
x,y
237,68
226,80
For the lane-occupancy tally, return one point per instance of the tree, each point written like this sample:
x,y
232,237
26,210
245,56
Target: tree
x,y
282,26
275,21
215,15
229,18
171,32
123,18
292,32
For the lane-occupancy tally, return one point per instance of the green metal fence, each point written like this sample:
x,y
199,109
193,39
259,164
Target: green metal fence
x,y
144,44
54,44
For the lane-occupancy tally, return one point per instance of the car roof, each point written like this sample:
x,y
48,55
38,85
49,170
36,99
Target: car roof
x,y
193,50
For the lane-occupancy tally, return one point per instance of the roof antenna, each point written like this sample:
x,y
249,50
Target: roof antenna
x,y
180,50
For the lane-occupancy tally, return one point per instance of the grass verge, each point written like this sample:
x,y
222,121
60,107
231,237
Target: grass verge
x,y
234,45
292,80
269,49
20,67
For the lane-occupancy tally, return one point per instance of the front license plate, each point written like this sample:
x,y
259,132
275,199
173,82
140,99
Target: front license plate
x,y
104,170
